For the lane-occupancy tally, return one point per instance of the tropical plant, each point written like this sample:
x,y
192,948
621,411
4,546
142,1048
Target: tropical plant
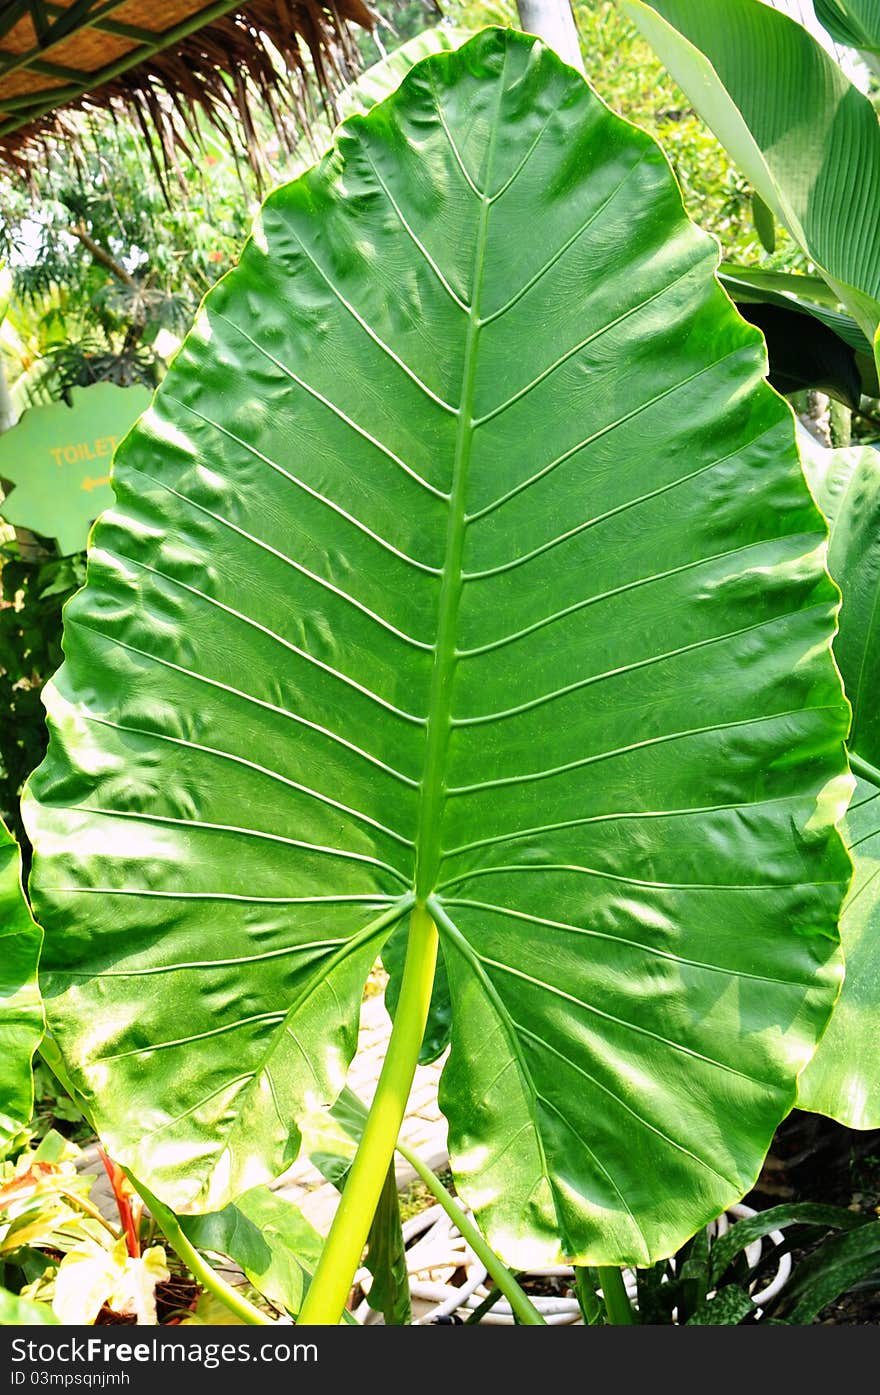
x,y
60,1259
33,589
724,1275
843,1079
855,23
710,1282
827,191
807,140
105,263
462,574
21,1010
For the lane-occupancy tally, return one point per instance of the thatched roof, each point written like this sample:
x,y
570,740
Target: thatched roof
x,y
167,59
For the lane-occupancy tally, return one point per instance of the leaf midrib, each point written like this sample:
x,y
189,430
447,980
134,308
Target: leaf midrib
x,y
439,718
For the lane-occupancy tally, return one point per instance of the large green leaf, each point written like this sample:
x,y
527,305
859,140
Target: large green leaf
x,y
464,554
852,22
805,138
843,1078
21,1009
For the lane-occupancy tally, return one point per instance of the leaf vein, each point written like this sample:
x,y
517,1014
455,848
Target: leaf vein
x,y
276,638
204,825
639,664
262,703
614,817
503,309
617,940
590,339
416,241
307,489
242,760
627,503
620,1021
371,333
626,750
337,411
289,562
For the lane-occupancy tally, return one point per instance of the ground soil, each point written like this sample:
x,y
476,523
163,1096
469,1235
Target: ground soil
x,y
174,1297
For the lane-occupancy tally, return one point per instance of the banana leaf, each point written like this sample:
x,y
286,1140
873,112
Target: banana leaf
x,y
806,139
855,23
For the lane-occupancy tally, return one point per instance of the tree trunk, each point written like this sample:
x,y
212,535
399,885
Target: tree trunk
x,y
102,256
553,21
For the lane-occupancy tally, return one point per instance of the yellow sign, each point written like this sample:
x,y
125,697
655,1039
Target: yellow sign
x,y
58,460
83,450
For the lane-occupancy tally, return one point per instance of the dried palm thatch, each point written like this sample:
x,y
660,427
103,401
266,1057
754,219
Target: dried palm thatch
x,y
168,61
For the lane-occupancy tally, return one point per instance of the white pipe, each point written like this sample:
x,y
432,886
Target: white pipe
x,y
553,21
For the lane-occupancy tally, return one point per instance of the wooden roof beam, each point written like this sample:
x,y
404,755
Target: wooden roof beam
x,y
97,9
26,109
12,14
112,26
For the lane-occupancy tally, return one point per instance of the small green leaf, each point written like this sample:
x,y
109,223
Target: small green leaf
x,y
726,1308
694,1272
23,1312
386,1258
586,1284
658,1295
268,1236
827,1273
751,1228
330,1139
